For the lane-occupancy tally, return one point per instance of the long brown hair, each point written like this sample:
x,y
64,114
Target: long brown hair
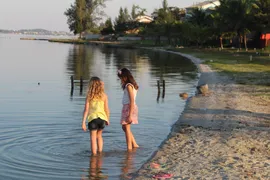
x,y
95,89
126,77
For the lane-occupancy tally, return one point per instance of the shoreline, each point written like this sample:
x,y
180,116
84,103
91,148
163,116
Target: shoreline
x,y
223,135
194,149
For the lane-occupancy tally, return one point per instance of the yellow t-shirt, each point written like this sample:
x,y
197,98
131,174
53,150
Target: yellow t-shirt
x,y
96,110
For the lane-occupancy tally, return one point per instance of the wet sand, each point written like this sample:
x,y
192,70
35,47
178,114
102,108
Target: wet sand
x,y
223,135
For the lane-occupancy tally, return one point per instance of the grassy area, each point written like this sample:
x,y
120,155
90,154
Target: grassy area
x,y
235,64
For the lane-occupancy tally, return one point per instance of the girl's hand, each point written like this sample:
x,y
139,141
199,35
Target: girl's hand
x,y
107,123
84,127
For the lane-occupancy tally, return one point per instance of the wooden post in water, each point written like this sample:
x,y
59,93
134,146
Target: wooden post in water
x,y
81,85
158,95
163,92
72,85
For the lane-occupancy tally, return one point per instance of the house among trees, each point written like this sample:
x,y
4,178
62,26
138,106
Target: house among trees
x,y
139,20
144,19
206,5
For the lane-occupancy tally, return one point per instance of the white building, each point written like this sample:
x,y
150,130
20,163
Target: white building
x,y
144,19
204,5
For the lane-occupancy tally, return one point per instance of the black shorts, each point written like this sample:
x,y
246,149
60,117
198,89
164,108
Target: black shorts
x,y
96,124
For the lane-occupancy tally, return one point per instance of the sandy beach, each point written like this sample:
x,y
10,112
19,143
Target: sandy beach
x,y
223,135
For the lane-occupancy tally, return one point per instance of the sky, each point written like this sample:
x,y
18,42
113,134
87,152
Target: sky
x,y
49,14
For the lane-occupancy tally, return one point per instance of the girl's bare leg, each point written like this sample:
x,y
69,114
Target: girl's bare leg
x,y
128,137
93,137
132,139
134,143
99,141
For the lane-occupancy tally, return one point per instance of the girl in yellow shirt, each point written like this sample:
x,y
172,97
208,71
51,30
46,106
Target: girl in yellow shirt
x,y
97,112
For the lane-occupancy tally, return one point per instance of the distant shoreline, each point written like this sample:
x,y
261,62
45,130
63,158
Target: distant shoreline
x,y
42,32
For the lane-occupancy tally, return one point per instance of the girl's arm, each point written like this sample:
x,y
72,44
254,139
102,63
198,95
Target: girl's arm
x,y
131,99
107,110
85,114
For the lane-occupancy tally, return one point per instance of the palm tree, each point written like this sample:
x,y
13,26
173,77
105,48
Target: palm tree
x,y
222,25
218,27
237,15
261,12
163,21
198,17
201,23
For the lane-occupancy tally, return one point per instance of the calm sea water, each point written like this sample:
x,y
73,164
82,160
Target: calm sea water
x,y
40,125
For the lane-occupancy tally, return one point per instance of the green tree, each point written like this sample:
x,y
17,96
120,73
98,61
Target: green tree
x,y
163,22
177,13
108,27
80,14
84,15
122,20
75,15
134,11
71,18
200,25
261,13
165,6
219,28
198,17
123,16
163,15
137,11
238,16
126,15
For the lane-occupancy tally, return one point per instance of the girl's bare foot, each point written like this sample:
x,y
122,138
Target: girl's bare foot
x,y
100,152
136,146
94,154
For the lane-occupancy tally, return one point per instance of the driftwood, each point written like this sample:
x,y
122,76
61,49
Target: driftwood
x,y
184,96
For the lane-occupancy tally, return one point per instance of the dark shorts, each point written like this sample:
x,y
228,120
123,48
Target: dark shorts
x,y
97,124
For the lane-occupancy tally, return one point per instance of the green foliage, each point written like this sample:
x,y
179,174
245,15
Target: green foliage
x,y
137,11
133,11
232,18
108,23
84,15
108,27
121,23
71,18
261,12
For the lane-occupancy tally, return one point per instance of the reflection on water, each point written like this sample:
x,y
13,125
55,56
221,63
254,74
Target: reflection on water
x,y
95,169
128,164
96,166
40,130
79,61
83,62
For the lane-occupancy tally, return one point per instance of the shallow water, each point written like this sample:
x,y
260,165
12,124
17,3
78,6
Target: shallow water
x,y
40,125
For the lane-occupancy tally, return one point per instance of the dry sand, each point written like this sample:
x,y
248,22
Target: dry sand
x,y
224,135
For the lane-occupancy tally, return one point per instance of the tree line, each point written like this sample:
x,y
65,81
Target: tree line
x,y
232,20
